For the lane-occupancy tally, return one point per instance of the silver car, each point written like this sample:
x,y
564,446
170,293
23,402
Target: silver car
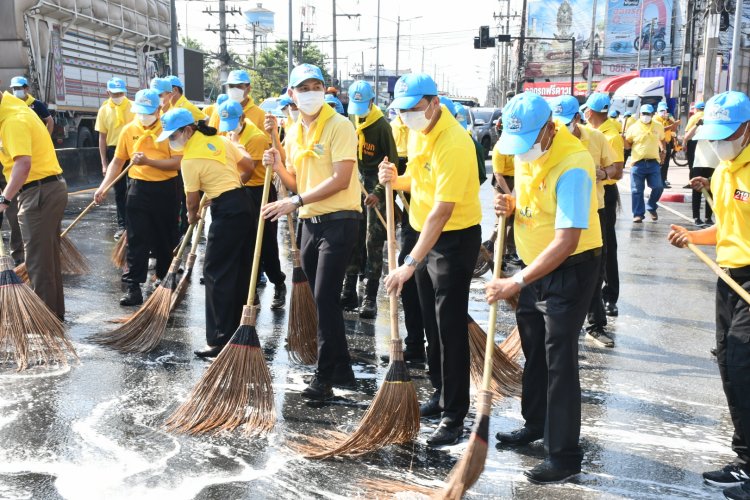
x,y
482,123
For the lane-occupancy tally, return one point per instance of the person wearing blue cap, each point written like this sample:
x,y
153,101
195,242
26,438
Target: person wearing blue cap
x,y
445,211
461,114
19,85
321,151
178,100
595,113
558,238
113,115
670,125
213,118
645,139
335,103
704,167
375,142
152,203
238,90
164,88
726,124
243,133
689,143
35,183
210,166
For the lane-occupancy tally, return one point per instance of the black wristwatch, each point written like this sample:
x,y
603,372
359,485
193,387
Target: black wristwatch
x,y
5,201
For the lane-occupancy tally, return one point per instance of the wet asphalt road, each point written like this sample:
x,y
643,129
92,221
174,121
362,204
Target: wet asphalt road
x,y
654,415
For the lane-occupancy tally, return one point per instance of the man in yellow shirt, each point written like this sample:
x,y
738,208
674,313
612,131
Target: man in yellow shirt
x,y
113,115
503,168
35,179
178,100
238,90
690,143
595,114
445,211
670,125
321,155
645,139
19,85
727,125
559,240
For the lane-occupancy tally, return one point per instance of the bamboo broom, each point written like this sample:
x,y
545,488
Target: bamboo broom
x,y
31,333
181,289
393,416
237,387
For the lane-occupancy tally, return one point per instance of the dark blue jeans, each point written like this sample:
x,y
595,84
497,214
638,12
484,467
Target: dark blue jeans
x,y
645,171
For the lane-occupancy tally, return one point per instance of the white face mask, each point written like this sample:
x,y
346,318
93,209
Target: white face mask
x,y
663,114
729,150
21,94
118,100
646,118
236,94
415,120
164,100
311,101
532,154
146,120
571,127
293,114
176,144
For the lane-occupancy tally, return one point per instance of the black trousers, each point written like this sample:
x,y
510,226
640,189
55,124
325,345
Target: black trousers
x,y
152,226
121,193
269,250
227,263
733,357
414,340
550,314
443,280
667,158
325,251
596,317
690,154
183,206
611,289
697,195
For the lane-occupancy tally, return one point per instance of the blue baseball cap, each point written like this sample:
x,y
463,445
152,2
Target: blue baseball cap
x,y
305,72
598,102
220,99
461,114
285,100
564,107
613,113
700,105
725,113
175,81
662,106
117,85
161,85
238,76
146,102
647,108
627,113
411,88
229,115
360,95
172,120
449,104
18,81
337,105
523,118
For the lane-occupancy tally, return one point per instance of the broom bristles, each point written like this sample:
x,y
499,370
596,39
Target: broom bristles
x,y
511,346
391,418
506,374
302,336
31,333
120,252
143,331
235,390
72,260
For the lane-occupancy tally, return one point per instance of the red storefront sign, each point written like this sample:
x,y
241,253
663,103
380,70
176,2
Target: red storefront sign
x,y
554,89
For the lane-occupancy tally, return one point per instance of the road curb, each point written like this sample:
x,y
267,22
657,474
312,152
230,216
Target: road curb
x,y
677,197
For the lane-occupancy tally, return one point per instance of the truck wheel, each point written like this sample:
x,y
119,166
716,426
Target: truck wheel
x,y
487,146
85,138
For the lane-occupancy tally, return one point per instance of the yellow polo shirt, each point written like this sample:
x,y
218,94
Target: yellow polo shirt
x,y
502,164
255,142
602,154
22,133
209,164
338,142
613,123
730,185
126,148
627,122
612,131
665,122
645,140
401,136
107,120
254,114
693,120
182,102
442,167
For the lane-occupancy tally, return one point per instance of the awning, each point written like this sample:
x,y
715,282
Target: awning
x,y
613,83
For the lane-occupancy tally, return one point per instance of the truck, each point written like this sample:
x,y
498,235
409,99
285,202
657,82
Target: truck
x,y
69,49
652,86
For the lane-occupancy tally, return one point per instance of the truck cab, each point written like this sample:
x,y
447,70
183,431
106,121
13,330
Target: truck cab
x,y
637,92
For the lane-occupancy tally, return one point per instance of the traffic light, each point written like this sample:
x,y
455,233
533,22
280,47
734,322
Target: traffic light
x,y
484,37
477,43
503,38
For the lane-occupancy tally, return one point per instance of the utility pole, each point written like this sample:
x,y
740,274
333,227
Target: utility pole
x,y
333,76
223,29
377,59
422,69
173,38
398,35
710,43
289,46
687,62
590,75
521,70
734,69
650,41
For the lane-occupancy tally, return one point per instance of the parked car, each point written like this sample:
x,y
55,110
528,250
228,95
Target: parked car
x,y
482,124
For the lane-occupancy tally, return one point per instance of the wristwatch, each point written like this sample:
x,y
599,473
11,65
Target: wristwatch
x,y
411,261
518,279
5,201
297,200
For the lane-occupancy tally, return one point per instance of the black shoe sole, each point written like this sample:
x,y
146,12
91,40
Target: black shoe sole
x,y
556,481
318,397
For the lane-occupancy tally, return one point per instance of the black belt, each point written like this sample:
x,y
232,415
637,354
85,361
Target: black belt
x,y
39,182
343,214
738,272
581,257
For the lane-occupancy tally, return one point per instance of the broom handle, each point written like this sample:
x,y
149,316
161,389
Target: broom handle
x,y
259,238
93,203
377,210
496,273
198,231
390,229
289,219
720,272
709,199
404,201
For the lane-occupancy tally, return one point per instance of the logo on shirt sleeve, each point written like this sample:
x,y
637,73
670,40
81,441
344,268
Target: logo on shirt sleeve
x,y
743,196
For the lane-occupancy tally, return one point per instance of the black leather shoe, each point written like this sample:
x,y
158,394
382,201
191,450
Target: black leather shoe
x,y
133,297
346,382
610,309
209,351
414,356
279,296
519,437
546,473
431,408
445,435
318,390
369,308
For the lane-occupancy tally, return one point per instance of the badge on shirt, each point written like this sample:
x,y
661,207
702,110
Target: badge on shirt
x,y
319,149
742,196
427,167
